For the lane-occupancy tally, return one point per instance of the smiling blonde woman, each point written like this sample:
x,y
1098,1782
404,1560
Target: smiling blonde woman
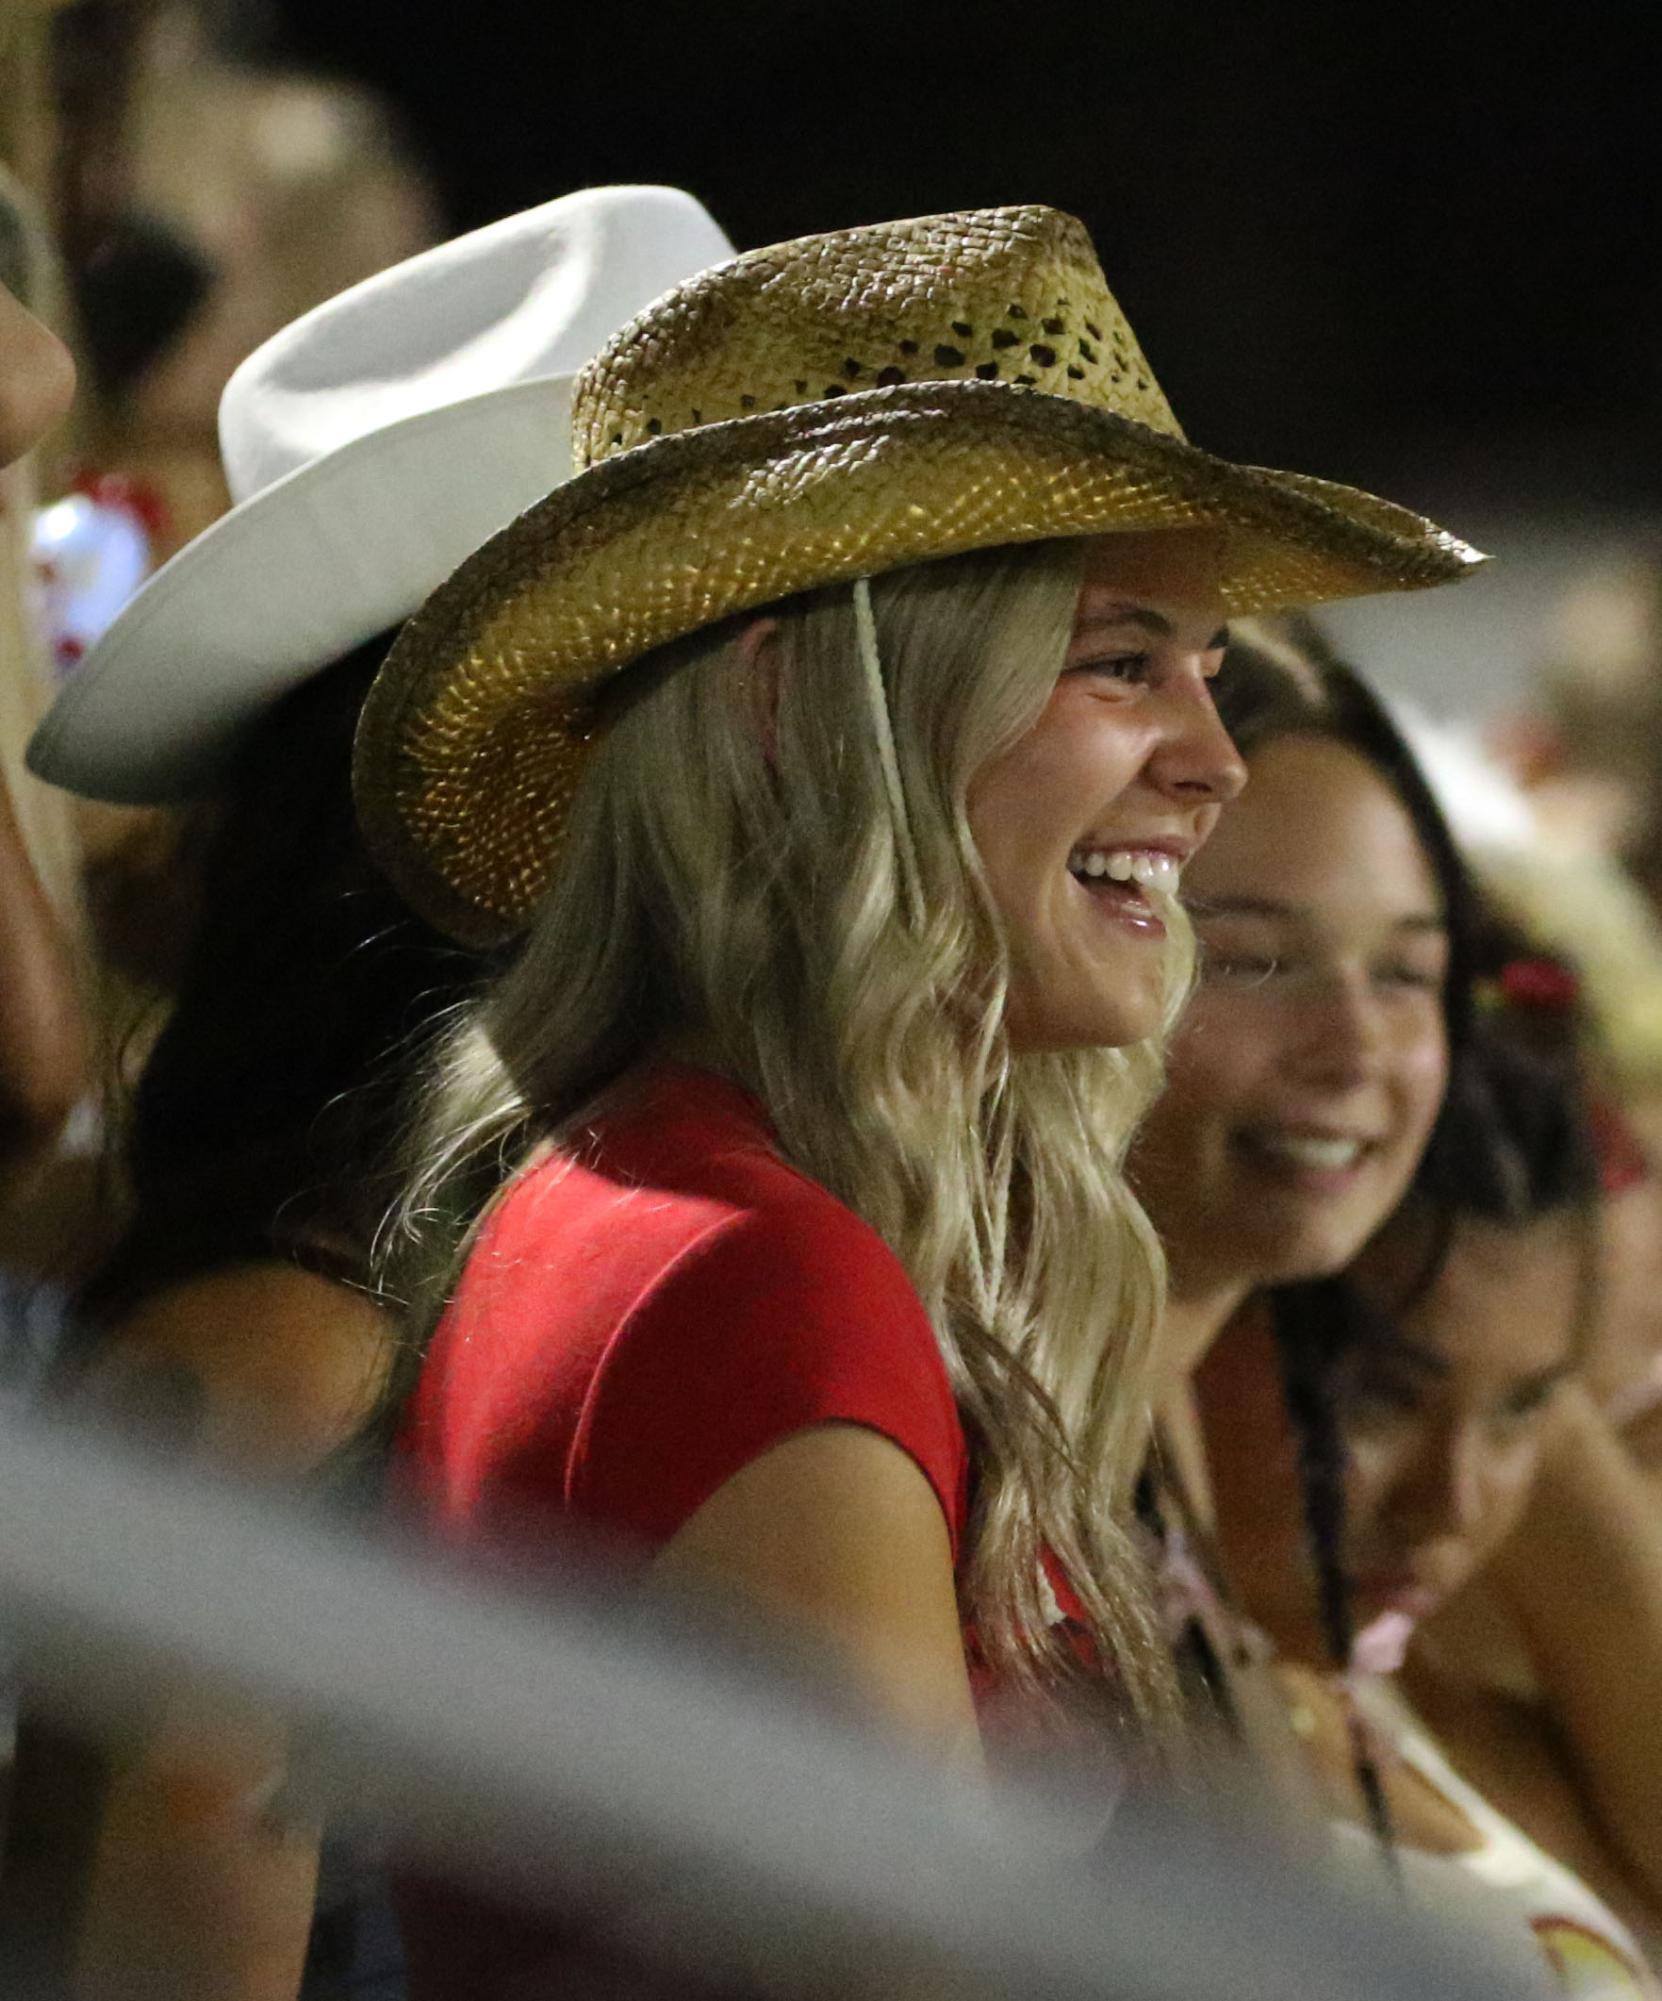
x,y
839,733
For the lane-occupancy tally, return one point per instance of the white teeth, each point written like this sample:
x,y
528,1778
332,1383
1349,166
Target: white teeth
x,y
1145,866
1155,871
1306,1150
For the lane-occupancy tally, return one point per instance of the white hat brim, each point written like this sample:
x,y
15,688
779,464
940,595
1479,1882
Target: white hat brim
x,y
288,582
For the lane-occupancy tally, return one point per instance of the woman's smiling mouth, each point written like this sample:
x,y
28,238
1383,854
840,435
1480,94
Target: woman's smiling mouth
x,y
1318,1160
1116,878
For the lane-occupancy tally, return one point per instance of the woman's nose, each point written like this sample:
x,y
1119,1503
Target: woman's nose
x,y
1197,761
1344,1027
1439,1489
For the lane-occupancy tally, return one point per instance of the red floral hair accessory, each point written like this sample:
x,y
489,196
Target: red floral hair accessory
x,y
1536,985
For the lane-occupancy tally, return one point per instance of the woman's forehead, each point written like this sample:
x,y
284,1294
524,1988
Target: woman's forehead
x,y
1503,1300
1318,834
1177,573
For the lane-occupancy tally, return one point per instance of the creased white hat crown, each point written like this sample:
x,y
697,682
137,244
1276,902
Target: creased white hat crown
x,y
369,447
532,295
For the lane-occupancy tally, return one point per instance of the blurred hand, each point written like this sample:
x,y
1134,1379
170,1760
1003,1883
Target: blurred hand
x,y
37,378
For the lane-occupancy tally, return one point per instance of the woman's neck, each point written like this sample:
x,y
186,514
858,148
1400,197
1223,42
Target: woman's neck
x,y
1193,1319
1197,1311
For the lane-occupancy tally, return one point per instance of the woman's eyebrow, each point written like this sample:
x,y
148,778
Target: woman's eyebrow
x,y
1389,1343
1155,623
1427,922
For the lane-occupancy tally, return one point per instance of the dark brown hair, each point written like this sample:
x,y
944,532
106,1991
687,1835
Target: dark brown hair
x,y
260,1121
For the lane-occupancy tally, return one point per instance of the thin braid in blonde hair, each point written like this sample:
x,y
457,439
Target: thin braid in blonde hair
x,y
871,663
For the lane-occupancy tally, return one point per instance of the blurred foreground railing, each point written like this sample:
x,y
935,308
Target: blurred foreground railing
x,y
551,1743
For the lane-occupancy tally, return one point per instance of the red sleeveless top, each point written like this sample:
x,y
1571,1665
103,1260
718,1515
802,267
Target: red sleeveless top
x,y
641,1317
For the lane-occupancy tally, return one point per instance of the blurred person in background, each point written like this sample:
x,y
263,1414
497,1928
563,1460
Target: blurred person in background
x,y
235,1319
1308,1089
37,378
1589,967
45,1057
1583,983
771,1205
212,205
205,204
1590,749
1304,1079
1381,1441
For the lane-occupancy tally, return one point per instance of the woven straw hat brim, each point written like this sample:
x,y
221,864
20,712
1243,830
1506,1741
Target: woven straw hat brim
x,y
474,736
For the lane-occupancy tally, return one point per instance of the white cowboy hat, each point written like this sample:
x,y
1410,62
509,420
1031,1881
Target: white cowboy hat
x,y
368,448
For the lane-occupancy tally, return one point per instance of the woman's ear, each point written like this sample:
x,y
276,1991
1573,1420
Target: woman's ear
x,y
758,651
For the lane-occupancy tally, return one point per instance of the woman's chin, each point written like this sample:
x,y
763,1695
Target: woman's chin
x,y
1296,1235
1088,1014
1302,1248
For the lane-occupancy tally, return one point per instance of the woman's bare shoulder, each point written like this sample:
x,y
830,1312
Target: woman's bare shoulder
x,y
262,1365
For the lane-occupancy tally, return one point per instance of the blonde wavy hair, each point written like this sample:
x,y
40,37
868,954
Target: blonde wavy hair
x,y
747,880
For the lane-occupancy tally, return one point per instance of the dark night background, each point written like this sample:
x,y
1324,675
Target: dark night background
x,y
1336,230
1407,246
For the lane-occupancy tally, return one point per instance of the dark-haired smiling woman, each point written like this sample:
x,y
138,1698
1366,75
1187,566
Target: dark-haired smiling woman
x,y
1333,922
1308,1079
1433,1432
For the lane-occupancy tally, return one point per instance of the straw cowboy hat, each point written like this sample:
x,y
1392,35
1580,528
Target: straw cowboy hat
x,y
368,448
826,409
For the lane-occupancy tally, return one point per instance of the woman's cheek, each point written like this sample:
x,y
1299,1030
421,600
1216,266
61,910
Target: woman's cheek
x,y
1218,1056
1423,1067
1511,1481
